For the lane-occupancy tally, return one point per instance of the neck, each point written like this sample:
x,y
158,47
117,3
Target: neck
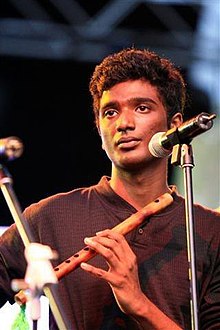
x,y
141,187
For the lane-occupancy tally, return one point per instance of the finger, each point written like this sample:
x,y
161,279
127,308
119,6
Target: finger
x,y
114,242
111,278
105,241
97,272
103,246
119,238
122,246
110,234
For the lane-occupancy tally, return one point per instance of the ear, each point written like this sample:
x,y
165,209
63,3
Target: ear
x,y
176,120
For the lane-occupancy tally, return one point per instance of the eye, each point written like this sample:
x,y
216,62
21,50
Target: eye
x,y
110,113
143,108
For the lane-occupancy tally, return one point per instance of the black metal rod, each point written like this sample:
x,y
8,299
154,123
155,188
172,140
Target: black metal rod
x,y
187,165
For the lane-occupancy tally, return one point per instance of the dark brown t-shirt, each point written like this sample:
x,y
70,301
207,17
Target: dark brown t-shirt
x,y
63,220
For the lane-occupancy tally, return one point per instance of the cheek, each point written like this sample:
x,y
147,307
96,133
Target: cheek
x,y
154,126
105,138
160,123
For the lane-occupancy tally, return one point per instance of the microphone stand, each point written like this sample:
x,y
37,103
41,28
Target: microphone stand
x,y
27,238
182,155
178,140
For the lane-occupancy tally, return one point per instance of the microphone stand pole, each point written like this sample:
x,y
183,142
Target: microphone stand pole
x,y
27,238
183,156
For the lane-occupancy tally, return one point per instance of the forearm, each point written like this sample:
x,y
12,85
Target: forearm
x,y
148,316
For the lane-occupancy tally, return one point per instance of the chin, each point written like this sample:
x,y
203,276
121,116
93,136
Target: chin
x,y
133,165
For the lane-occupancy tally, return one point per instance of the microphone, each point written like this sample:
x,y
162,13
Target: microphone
x,y
161,143
10,148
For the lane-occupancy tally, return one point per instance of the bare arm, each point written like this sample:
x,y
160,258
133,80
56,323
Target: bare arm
x,y
122,276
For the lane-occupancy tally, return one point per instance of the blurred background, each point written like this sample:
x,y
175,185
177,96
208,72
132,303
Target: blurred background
x,y
48,50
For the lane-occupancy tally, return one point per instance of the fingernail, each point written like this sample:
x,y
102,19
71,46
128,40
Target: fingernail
x,y
88,240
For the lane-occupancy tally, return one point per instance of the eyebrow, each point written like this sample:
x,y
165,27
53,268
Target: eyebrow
x,y
141,100
133,100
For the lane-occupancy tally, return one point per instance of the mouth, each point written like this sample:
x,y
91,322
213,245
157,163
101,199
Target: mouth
x,y
127,143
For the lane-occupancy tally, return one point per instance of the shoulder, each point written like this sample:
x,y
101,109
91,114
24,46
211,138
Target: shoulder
x,y
207,212
62,201
70,201
206,219
200,211
207,225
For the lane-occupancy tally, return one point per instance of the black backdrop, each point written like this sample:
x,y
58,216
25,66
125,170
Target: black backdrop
x,y
47,104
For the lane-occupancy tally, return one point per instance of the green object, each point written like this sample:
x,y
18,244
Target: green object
x,y
21,322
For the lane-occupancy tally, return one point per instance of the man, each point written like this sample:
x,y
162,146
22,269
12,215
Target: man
x,y
139,281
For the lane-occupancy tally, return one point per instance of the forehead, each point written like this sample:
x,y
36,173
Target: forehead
x,y
129,89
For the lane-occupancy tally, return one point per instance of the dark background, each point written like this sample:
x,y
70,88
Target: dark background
x,y
47,55
49,107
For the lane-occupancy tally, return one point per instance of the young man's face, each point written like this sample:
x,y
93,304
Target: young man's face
x,y
130,114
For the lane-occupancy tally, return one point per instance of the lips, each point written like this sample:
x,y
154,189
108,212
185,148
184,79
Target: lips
x,y
128,142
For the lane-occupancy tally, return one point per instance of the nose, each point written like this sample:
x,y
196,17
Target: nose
x,y
125,121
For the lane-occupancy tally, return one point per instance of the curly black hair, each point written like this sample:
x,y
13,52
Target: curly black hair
x,y
132,64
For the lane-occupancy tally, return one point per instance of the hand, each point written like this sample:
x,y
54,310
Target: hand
x,y
122,274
